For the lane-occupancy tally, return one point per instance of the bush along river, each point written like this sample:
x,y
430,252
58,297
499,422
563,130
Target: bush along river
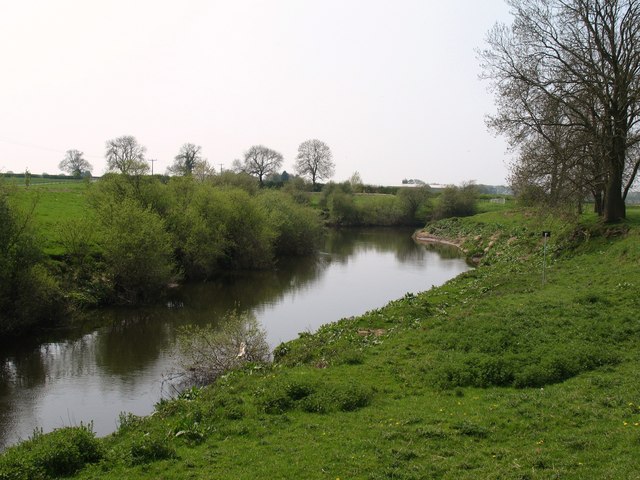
x,y
94,375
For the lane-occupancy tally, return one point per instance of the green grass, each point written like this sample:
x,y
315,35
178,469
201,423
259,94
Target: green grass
x,y
493,375
53,204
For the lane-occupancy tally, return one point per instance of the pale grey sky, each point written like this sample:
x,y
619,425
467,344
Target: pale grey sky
x,y
390,85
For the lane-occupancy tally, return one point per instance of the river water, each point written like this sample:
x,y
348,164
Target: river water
x,y
117,361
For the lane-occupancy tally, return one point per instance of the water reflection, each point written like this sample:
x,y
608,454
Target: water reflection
x,y
95,373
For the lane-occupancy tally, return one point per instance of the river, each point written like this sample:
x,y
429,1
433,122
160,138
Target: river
x,y
117,361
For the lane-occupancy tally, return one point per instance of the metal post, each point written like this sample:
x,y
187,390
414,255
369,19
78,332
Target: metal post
x,y
544,260
546,236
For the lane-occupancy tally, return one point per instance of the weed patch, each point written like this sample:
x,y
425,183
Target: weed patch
x,y
58,454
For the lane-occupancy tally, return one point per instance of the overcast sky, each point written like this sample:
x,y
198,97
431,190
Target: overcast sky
x,y
390,85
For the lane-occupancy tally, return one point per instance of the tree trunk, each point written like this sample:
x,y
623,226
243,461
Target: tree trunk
x,y
597,202
614,207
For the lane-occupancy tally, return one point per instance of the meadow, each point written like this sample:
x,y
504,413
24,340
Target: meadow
x,y
52,203
493,375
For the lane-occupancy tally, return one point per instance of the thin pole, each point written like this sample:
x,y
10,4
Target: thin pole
x,y
152,160
544,260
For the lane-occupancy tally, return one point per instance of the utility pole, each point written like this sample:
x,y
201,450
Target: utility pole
x,y
152,160
220,168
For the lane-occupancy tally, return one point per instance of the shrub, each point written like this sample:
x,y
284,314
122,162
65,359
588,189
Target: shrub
x,y
208,352
137,251
28,293
62,452
149,448
353,397
297,228
561,364
414,204
473,370
456,202
342,209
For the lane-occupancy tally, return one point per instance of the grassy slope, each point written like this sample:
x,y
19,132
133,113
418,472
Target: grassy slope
x,y
434,395
583,422
53,203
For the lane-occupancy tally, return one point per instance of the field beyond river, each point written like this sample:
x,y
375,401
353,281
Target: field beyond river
x,y
496,374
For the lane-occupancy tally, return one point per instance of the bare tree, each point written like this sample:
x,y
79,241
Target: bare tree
x,y
583,58
314,160
126,156
185,162
74,163
259,161
202,170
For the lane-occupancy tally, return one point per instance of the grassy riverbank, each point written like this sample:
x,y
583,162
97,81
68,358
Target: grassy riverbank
x,y
493,375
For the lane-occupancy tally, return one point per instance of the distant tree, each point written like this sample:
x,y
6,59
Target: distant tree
x,y
185,162
259,161
314,160
457,201
356,182
126,156
202,170
74,163
414,203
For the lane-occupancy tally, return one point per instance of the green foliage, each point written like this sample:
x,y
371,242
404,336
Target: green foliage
x,y
456,202
299,190
310,397
58,454
249,235
137,251
149,448
240,180
298,229
28,293
414,204
404,206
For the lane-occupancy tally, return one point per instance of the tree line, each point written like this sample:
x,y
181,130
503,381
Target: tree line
x,y
566,75
126,156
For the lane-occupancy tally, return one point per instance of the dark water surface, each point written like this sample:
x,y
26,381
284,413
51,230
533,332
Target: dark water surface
x,y
97,373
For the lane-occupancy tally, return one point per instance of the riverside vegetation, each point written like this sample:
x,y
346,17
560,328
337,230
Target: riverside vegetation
x,y
125,239
493,375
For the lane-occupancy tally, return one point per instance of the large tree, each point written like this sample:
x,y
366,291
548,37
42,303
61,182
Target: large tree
x,y
572,67
314,160
125,155
74,163
187,159
259,161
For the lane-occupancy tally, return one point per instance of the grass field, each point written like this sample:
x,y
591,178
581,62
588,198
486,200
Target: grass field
x,y
493,375
53,203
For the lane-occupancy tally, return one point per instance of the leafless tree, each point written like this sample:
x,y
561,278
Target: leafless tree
x,y
74,163
314,160
202,170
185,162
207,352
126,156
581,58
259,161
